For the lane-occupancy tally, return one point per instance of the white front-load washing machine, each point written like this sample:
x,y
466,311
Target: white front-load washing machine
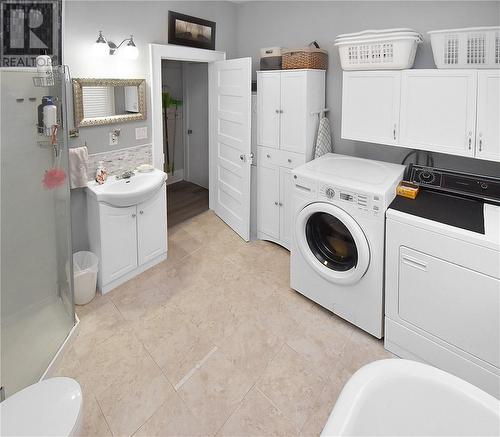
x,y
337,256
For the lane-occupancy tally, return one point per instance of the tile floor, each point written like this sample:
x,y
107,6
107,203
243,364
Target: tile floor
x,y
212,342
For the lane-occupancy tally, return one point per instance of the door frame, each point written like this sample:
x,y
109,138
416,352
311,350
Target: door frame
x,y
158,52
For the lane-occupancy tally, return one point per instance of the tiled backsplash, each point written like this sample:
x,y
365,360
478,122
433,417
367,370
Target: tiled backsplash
x,y
116,161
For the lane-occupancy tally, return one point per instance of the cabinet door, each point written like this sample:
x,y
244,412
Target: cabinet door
x,y
118,241
370,106
286,186
293,108
488,115
268,107
438,110
268,210
152,228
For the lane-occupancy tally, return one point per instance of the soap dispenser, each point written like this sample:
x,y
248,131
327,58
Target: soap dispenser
x,y
101,173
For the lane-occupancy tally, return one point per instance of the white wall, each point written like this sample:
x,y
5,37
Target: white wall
x,y
295,24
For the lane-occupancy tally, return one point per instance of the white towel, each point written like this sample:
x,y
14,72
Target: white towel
x,y
324,140
78,161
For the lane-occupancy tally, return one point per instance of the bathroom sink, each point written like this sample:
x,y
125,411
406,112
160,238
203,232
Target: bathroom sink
x,y
127,192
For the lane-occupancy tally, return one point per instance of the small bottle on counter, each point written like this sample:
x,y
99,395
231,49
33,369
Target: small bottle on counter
x,y
101,174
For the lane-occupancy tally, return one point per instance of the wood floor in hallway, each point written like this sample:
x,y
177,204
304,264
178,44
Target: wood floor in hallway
x,y
185,200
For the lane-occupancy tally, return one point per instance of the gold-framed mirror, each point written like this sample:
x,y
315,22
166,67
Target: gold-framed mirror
x,y
98,102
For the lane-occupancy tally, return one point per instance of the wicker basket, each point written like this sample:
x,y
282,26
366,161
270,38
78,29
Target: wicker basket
x,y
308,57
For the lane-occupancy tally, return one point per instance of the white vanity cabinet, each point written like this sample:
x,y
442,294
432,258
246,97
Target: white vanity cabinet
x,y
128,239
370,106
438,110
288,102
448,111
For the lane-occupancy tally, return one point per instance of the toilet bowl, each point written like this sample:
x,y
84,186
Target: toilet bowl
x,y
52,407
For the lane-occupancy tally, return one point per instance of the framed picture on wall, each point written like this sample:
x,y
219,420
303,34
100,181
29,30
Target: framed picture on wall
x,y
186,30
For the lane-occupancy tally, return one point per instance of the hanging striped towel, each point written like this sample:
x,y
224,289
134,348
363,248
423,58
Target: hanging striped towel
x,y
324,140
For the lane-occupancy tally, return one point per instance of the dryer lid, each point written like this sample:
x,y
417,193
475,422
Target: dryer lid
x,y
355,173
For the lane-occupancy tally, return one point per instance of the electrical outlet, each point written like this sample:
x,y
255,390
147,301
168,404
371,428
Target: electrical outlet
x,y
113,139
141,133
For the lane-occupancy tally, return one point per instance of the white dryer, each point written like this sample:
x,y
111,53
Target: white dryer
x,y
442,292
337,256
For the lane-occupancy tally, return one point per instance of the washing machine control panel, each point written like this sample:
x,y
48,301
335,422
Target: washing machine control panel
x,y
361,201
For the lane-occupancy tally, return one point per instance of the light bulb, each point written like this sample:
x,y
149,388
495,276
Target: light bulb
x,y
130,51
100,49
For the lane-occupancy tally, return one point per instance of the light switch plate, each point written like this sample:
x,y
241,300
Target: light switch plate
x,y
141,133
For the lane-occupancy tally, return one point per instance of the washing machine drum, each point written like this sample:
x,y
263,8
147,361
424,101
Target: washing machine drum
x,y
332,242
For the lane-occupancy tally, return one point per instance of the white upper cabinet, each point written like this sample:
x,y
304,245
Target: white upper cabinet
x,y
438,111
448,111
370,106
268,109
287,100
293,128
488,115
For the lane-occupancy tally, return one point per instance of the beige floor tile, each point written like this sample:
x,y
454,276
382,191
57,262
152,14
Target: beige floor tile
x,y
257,416
97,326
127,383
321,339
322,409
93,423
292,385
214,391
174,342
251,346
173,418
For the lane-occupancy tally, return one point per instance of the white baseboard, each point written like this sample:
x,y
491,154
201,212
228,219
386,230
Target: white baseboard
x,y
64,347
176,177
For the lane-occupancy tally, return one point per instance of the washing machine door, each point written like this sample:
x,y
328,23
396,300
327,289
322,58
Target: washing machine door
x,y
332,242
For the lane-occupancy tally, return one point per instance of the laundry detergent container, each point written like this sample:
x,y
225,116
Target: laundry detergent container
x,y
85,267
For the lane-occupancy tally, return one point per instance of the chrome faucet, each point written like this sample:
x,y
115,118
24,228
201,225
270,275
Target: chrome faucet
x,y
127,174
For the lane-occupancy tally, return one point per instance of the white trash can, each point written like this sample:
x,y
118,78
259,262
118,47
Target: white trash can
x,y
85,266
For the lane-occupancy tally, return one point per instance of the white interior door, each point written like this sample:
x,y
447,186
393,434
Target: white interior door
x,y
196,154
230,146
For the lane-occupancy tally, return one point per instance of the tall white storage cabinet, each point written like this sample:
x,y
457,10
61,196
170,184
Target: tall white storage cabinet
x,y
287,121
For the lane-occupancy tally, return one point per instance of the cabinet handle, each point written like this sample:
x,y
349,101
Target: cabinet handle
x,y
394,132
470,140
277,111
141,212
276,203
480,143
268,155
289,160
133,215
280,204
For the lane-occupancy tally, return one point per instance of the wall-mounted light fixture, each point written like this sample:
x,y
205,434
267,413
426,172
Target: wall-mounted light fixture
x,y
102,47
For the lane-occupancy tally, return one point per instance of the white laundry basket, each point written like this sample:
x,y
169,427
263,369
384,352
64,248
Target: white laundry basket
x,y
85,267
472,47
386,49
